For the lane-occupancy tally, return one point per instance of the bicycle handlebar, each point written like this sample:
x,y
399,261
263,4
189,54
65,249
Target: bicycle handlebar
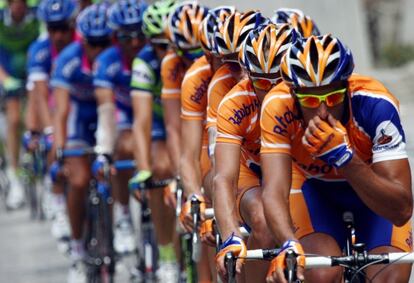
x,y
313,261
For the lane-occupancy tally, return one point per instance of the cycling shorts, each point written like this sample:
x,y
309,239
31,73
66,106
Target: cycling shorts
x,y
318,207
158,132
81,124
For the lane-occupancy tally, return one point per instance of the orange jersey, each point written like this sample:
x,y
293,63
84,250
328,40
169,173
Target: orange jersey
x,y
221,83
238,123
373,126
172,74
194,90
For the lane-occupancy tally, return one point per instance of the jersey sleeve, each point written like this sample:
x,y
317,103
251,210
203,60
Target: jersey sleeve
x,y
38,61
218,88
229,126
194,92
64,71
387,133
104,72
172,73
275,132
143,77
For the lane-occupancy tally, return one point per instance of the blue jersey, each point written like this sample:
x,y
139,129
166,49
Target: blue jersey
x,y
39,60
111,71
72,71
146,76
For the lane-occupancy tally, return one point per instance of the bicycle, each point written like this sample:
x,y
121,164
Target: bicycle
x,y
354,261
100,255
147,254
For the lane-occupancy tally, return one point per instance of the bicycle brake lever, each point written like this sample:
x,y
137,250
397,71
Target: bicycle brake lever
x,y
290,272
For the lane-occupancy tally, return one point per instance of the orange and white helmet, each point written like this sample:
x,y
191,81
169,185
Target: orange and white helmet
x,y
302,23
229,37
316,61
264,48
214,18
183,24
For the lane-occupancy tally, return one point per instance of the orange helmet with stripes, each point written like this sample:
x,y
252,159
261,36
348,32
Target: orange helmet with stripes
x,y
214,18
302,23
229,37
317,61
183,24
264,48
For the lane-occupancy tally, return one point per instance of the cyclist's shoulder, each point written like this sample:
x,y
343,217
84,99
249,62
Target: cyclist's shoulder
x,y
368,93
171,59
147,59
279,96
70,58
110,55
241,94
39,44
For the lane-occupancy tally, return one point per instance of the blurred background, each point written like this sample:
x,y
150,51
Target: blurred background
x,y
380,34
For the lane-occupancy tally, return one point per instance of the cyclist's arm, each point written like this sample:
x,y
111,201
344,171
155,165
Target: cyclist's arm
x,y
277,176
31,121
40,95
106,128
191,141
172,109
385,187
224,184
212,135
142,107
61,116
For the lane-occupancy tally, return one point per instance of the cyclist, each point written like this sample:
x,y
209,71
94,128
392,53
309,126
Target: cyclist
x,y
42,53
228,41
112,79
182,29
237,183
194,163
302,23
342,134
76,118
194,160
18,29
149,132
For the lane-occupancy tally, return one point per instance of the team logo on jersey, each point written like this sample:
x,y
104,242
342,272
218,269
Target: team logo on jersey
x,y
244,111
200,91
384,139
387,136
283,121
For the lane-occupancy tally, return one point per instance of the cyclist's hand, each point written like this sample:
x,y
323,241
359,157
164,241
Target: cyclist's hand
x,y
186,218
30,140
328,141
278,264
207,233
235,245
11,84
138,181
99,165
57,171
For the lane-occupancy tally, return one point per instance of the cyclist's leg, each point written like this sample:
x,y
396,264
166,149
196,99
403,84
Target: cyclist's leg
x,y
380,236
388,273
124,239
13,105
123,151
78,176
162,216
318,223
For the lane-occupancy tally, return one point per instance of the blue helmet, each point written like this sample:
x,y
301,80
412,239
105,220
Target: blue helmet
x,y
56,11
301,23
127,14
92,22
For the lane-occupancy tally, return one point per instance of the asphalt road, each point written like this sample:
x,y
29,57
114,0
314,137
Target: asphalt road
x,y
28,253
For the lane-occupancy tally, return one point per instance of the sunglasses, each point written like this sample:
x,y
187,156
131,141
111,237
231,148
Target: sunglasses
x,y
331,99
191,54
57,28
129,36
264,83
